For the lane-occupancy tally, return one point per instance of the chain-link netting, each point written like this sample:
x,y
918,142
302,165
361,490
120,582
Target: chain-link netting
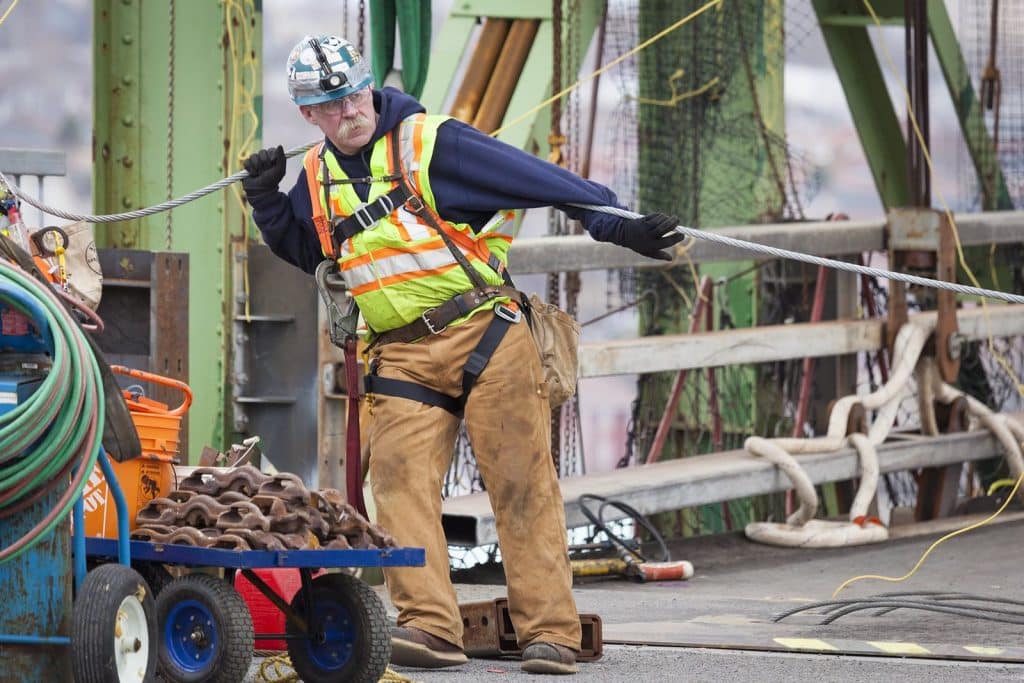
x,y
697,130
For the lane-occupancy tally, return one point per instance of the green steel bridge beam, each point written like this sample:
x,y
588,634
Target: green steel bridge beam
x,y
176,93
454,38
844,25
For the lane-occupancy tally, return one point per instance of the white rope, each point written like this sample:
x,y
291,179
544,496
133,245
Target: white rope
x,y
820,261
1008,432
800,528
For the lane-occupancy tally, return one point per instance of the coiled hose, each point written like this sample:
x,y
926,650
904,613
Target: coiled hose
x,y
56,434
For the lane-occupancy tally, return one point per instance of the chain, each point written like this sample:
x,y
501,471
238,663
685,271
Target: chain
x,y
344,19
170,118
362,27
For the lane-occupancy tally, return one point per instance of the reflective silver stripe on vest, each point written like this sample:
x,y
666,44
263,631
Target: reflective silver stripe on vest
x,y
398,264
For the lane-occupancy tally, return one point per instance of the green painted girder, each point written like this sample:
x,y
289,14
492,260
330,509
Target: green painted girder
x,y
522,9
133,159
844,25
534,85
995,194
880,132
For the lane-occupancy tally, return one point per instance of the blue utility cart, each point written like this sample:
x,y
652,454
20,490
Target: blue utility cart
x,y
336,627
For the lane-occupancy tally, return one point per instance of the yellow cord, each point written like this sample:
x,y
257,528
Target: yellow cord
x,y
991,343
8,11
677,96
656,37
1003,363
998,484
932,547
242,107
280,668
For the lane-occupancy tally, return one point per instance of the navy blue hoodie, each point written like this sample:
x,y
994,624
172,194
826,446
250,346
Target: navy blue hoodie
x,y
472,176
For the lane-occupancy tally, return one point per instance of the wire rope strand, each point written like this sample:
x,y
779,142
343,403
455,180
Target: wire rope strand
x,y
820,260
139,213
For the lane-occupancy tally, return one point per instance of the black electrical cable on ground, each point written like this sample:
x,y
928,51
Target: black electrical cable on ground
x,y
600,525
886,603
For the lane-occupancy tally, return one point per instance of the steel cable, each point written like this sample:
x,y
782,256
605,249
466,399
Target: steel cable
x,y
819,260
693,233
140,213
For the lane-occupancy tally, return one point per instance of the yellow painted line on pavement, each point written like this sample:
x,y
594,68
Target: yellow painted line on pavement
x,y
895,648
805,644
983,650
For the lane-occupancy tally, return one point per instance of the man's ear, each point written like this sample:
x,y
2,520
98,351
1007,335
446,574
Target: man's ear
x,y
307,113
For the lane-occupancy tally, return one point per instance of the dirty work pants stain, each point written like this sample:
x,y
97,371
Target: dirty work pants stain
x,y
508,421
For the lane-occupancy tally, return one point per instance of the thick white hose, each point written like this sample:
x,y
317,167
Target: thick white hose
x,y
774,453
886,399
1008,432
800,529
868,476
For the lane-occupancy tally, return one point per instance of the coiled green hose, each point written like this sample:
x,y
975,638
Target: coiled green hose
x,y
54,437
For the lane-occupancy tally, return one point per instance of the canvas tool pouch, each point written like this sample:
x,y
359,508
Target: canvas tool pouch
x,y
558,339
85,278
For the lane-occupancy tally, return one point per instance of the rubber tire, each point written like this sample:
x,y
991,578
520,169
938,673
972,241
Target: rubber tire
x,y
231,629
94,623
367,627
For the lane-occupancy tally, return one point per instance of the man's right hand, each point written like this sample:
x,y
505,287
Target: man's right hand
x,y
266,169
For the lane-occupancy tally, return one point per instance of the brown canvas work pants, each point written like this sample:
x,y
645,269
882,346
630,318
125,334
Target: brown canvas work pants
x,y
508,421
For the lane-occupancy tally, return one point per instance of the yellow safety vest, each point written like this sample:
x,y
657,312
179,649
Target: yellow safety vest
x,y
400,267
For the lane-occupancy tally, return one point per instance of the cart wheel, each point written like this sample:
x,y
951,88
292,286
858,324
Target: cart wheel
x,y
206,631
348,639
113,627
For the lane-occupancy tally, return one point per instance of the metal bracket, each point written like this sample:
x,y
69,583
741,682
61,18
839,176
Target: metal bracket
x,y
922,240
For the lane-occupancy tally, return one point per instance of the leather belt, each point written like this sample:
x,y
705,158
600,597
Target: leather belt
x,y
435,320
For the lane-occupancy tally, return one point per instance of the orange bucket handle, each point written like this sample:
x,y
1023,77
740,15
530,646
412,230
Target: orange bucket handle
x,y
158,379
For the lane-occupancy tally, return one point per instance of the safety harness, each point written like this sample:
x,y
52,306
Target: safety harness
x,y
332,232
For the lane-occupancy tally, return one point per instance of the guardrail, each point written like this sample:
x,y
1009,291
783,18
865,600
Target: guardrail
x,y
32,162
716,477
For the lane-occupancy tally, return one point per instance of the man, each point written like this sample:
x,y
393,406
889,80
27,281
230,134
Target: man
x,y
414,209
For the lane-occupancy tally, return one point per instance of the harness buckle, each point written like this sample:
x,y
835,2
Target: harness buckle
x,y
386,203
415,204
512,315
364,217
430,323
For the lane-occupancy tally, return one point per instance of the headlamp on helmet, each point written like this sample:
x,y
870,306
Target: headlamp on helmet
x,y
325,68
331,79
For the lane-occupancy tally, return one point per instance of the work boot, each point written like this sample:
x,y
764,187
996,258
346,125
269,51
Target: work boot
x,y
413,647
548,658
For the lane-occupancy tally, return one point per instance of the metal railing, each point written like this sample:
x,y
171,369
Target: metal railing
x,y
37,163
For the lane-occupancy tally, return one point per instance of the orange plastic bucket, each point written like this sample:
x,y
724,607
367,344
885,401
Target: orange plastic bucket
x,y
141,479
144,478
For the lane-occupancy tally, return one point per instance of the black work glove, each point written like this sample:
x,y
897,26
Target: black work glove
x,y
649,235
266,169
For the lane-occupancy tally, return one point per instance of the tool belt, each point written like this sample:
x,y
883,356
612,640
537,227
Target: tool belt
x,y
435,320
